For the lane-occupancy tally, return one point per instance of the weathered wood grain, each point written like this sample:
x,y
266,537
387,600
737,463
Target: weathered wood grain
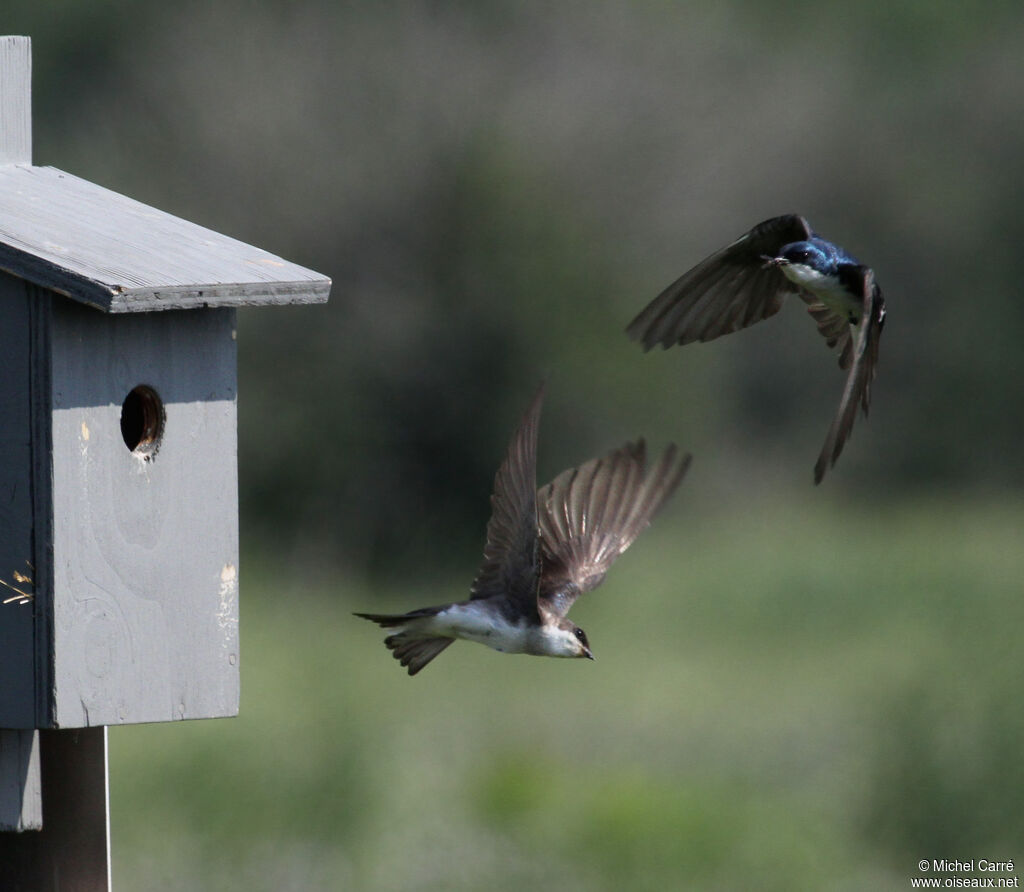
x,y
145,550
117,254
15,100
133,558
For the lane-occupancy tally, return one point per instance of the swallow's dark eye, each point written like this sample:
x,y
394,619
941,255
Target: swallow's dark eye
x,y
579,634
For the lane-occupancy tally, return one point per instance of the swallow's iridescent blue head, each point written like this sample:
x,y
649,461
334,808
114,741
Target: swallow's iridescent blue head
x,y
812,264
812,254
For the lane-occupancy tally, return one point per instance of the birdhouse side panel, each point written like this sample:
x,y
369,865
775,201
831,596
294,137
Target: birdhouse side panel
x,y
145,519
18,607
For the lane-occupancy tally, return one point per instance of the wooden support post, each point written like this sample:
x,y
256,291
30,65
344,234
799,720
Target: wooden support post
x,y
21,803
72,852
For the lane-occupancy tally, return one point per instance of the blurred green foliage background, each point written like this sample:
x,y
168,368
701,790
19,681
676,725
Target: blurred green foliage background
x,y
795,687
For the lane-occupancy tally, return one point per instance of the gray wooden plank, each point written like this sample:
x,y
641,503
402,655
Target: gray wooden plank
x,y
145,552
15,100
41,305
122,256
21,804
18,660
72,851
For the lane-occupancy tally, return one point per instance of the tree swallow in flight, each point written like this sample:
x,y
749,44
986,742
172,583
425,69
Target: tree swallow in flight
x,y
544,549
747,281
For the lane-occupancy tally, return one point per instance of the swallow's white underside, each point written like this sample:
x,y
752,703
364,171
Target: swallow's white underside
x,y
478,621
828,289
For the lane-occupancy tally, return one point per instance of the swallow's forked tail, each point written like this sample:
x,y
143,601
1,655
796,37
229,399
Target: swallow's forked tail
x,y
409,644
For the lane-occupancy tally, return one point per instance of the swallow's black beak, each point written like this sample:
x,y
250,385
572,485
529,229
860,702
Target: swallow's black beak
x,y
772,261
587,653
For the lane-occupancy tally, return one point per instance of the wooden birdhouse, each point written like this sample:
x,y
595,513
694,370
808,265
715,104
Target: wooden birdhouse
x,y
118,479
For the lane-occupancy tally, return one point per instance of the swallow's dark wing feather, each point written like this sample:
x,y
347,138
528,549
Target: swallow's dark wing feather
x,y
837,331
511,562
591,514
729,290
860,356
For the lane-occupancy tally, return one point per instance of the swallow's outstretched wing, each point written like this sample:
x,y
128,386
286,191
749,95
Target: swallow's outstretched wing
x,y
857,341
730,290
591,514
511,563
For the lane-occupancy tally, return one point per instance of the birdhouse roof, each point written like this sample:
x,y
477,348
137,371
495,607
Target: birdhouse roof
x,y
103,249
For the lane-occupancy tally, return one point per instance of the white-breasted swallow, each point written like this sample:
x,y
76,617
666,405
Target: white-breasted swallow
x,y
747,281
544,549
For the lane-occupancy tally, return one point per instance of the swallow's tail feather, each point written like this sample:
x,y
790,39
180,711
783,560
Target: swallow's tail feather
x,y
391,620
410,644
415,653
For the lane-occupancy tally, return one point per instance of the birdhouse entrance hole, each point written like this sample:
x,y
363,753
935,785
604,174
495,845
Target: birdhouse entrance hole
x,y
142,421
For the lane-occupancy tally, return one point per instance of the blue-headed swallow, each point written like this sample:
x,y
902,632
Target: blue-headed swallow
x,y
747,281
